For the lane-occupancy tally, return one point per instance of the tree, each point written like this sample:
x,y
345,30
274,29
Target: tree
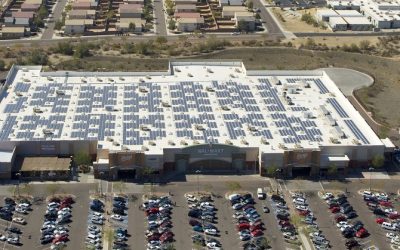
x,y
271,170
108,234
332,170
233,186
132,27
82,158
365,45
378,161
38,57
58,25
263,244
249,4
161,40
169,246
295,219
243,26
2,64
65,48
53,188
171,24
120,186
82,50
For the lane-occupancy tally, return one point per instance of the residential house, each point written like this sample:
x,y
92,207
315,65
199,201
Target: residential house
x,y
222,3
26,7
185,8
178,2
77,26
82,14
82,6
247,18
189,24
12,32
229,11
130,11
187,15
123,24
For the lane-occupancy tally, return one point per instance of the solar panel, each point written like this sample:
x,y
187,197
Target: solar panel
x,y
356,131
338,107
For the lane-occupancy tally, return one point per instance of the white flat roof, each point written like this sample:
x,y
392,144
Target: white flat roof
x,y
195,102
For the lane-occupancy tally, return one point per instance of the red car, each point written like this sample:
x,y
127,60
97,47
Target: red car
x,y
167,238
303,212
63,238
153,210
386,204
283,222
252,228
243,226
256,233
393,216
194,222
380,220
334,210
361,233
153,237
339,218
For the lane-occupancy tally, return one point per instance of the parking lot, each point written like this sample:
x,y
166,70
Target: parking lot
x,y
136,221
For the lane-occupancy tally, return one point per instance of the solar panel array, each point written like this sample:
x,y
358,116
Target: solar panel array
x,y
133,114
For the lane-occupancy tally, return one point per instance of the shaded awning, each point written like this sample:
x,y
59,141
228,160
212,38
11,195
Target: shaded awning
x,y
44,164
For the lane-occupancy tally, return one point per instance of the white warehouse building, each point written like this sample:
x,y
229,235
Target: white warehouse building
x,y
198,115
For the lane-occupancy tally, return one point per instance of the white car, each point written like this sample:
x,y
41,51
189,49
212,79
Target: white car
x,y
3,238
93,242
60,232
53,204
345,227
302,208
191,199
392,235
21,210
210,231
327,196
342,224
19,220
213,245
395,241
116,217
23,205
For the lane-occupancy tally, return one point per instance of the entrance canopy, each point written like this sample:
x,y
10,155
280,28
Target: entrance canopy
x,y
28,164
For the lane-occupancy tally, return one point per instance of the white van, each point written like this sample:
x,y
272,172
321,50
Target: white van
x,y
260,194
300,201
388,226
234,196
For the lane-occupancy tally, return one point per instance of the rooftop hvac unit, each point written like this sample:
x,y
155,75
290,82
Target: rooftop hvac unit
x,y
110,79
143,90
324,110
357,142
152,143
189,75
183,142
210,70
264,141
177,70
18,93
332,122
226,108
37,110
60,92
237,70
229,142
144,148
49,78
165,104
172,143
334,140
252,128
195,142
47,131
210,89
83,80
244,141
340,132
115,143
144,128
199,127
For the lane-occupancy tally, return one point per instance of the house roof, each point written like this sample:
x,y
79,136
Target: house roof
x,y
185,1
130,8
23,14
191,20
13,30
185,7
79,22
234,8
187,15
81,5
29,6
38,2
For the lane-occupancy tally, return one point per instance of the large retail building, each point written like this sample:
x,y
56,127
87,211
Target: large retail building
x,y
207,116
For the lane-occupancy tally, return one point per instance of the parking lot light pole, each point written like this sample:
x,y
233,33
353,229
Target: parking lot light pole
x,y
198,185
370,179
101,183
18,177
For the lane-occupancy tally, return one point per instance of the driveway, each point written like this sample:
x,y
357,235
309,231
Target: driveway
x,y
161,27
270,22
57,13
348,80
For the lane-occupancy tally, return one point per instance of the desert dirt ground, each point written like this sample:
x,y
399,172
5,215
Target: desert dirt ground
x,y
291,20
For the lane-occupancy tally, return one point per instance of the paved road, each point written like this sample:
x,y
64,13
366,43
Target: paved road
x,y
334,34
161,27
272,26
57,12
349,80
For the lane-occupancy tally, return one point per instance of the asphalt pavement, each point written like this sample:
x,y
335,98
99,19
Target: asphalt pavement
x,y
161,28
57,13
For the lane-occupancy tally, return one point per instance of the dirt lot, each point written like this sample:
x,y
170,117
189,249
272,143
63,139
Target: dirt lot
x,y
335,41
291,20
